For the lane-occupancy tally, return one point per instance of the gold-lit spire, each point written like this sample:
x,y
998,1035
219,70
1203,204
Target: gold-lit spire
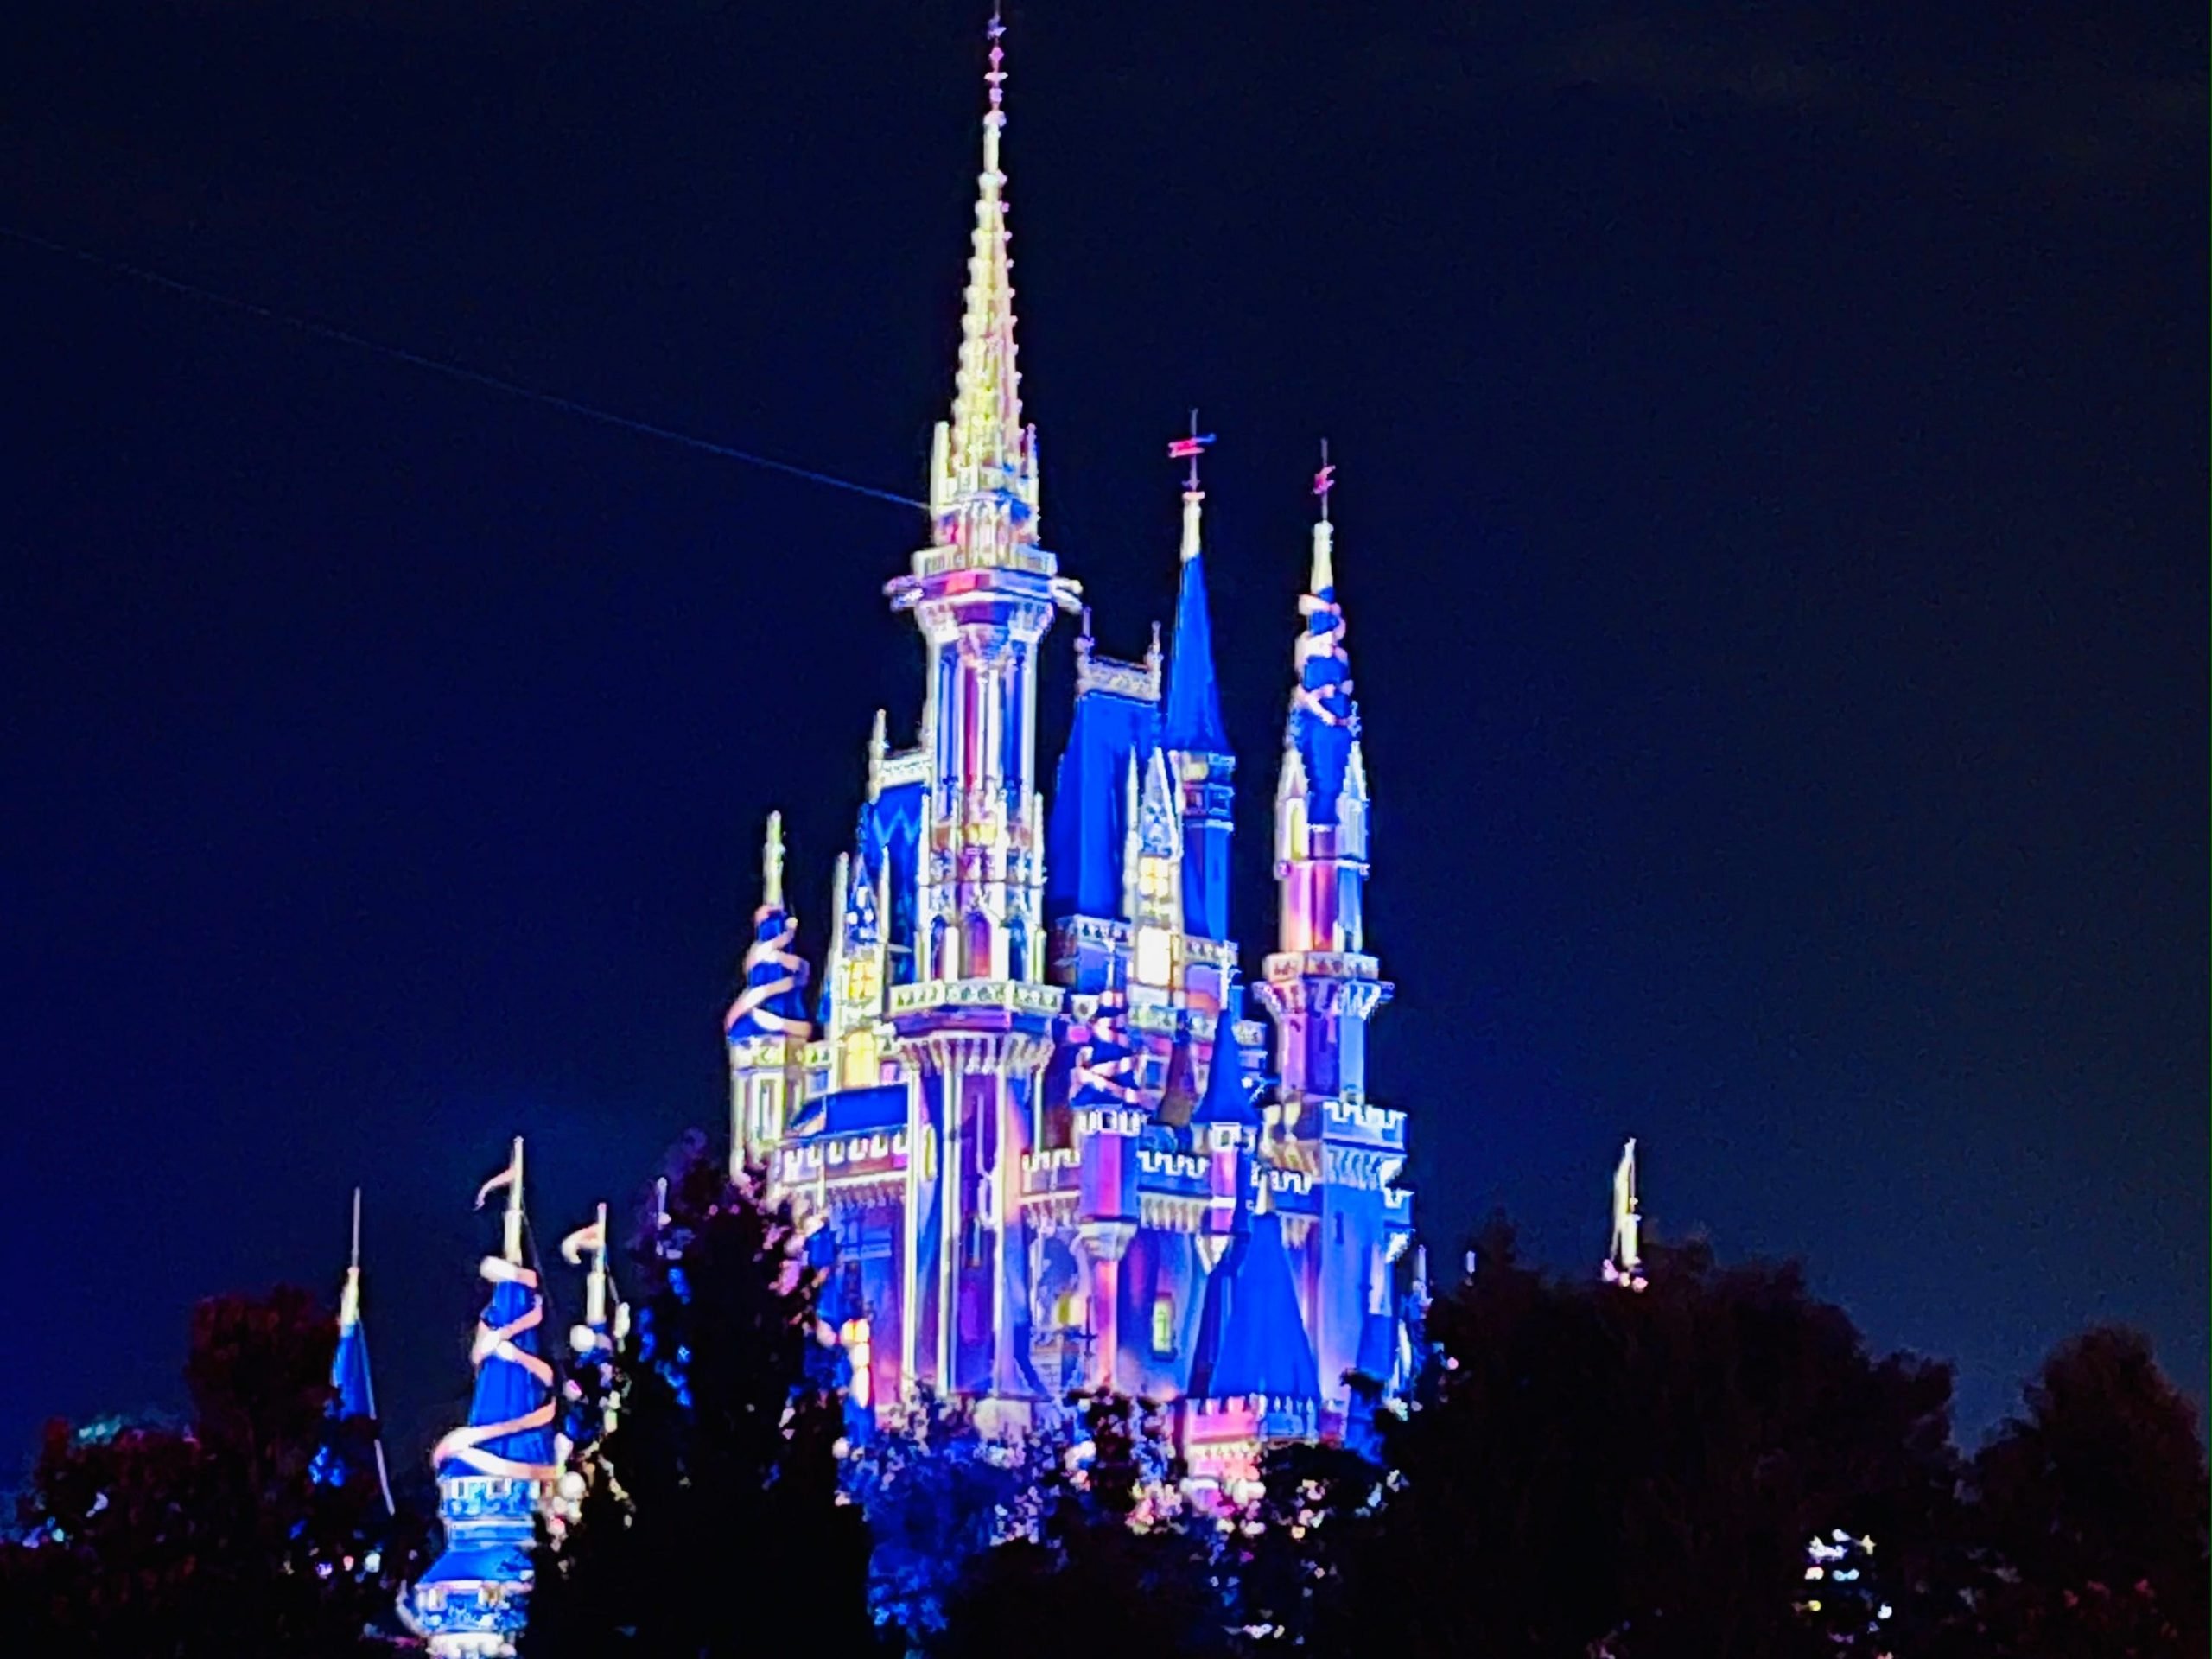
x,y
984,451
512,1244
771,864
349,1299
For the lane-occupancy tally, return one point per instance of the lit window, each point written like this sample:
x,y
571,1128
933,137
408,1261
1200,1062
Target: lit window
x,y
1151,955
1163,1324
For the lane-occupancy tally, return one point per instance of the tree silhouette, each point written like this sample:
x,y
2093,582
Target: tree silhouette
x,y
2085,1530
1114,1564
1602,1470
213,1541
722,1470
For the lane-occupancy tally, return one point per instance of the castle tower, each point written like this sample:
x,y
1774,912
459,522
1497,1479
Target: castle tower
x,y
1193,729
973,1033
498,1470
766,1027
1321,988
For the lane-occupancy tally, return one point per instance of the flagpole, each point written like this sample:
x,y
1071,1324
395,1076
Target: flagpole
x,y
514,1206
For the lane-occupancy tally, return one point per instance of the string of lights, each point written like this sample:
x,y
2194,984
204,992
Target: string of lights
x,y
451,370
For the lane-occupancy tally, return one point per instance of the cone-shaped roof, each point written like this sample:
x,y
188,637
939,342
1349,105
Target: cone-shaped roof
x,y
1193,723
773,1002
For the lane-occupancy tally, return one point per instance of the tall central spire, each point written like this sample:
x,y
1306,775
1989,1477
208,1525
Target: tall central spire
x,y
985,457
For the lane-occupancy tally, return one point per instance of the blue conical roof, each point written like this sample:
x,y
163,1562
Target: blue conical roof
x,y
1228,1097
1252,1340
1193,717
511,1416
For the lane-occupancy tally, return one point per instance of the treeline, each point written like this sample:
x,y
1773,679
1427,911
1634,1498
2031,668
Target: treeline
x,y
1714,1467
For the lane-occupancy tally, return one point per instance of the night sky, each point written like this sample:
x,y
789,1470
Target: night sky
x,y
1773,478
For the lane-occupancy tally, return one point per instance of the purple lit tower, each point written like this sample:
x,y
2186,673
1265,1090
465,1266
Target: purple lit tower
x,y
1028,1108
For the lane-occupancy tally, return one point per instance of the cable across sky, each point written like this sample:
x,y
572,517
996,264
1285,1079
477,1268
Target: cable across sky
x,y
453,371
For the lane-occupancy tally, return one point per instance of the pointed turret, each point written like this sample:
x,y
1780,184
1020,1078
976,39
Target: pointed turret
x,y
353,1397
1253,1350
595,1338
1321,988
1193,722
1227,1102
1192,728
1324,718
1624,1263
766,1027
496,1470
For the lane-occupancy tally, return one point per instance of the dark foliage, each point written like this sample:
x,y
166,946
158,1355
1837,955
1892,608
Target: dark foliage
x,y
714,1503
2084,1534
1108,1573
1590,1473
213,1540
1635,1474
939,1494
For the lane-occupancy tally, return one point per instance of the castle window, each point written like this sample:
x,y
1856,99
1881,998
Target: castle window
x,y
1153,959
1163,1325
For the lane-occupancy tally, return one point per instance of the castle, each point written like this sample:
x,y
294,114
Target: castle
x,y
1030,1128
1052,1150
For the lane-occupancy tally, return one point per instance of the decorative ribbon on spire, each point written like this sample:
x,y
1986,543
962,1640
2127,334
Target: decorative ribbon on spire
x,y
1324,720
989,454
508,1434
771,1004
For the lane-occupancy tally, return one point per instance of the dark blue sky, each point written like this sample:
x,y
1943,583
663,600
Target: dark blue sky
x,y
1772,454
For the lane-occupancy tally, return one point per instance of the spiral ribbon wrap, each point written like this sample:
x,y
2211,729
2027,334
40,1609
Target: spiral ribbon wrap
x,y
1323,641
1105,1071
772,974
499,1345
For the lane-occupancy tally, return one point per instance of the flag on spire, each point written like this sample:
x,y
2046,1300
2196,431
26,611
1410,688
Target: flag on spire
x,y
353,1397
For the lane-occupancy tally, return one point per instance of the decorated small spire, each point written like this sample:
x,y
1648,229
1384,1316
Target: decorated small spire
x,y
772,863
772,1003
497,1470
1193,723
353,1392
349,1299
1324,719
1624,1264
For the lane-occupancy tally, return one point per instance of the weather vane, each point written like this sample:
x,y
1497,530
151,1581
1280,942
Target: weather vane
x,y
1325,480
1190,449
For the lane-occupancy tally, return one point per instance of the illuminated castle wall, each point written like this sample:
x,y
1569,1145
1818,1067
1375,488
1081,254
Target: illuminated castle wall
x,y
1027,1103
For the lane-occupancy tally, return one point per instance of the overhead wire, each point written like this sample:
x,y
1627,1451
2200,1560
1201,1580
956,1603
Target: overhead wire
x,y
460,372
